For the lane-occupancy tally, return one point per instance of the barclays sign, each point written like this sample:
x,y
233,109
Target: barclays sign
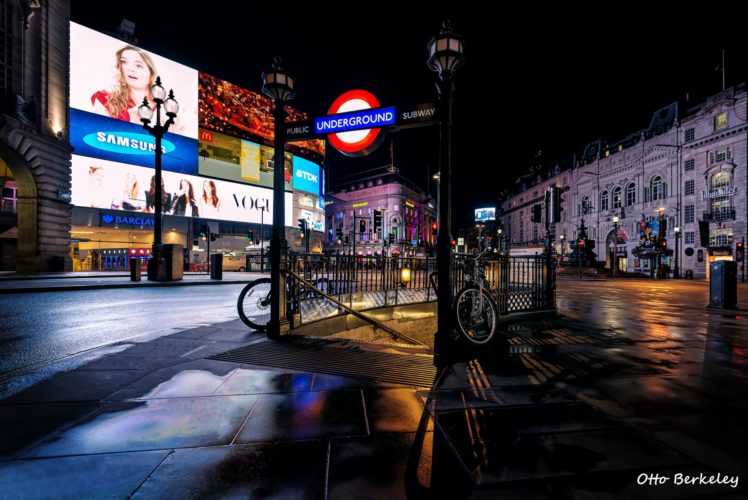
x,y
128,220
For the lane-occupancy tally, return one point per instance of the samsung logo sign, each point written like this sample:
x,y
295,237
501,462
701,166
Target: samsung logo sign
x,y
126,143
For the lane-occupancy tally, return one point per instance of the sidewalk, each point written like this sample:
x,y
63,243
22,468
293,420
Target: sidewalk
x,y
220,411
14,283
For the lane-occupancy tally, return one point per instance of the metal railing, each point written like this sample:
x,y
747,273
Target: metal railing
x,y
519,284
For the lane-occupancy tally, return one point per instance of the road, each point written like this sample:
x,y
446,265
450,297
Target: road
x,y
40,327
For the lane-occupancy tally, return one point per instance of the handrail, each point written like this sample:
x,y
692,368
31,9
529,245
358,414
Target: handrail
x,y
352,311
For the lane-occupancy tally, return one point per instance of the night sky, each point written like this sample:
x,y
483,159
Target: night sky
x,y
546,79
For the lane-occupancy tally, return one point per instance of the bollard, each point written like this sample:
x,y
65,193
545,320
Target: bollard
x,y
135,269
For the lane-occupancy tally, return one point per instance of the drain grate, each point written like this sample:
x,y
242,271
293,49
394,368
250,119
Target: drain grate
x,y
346,359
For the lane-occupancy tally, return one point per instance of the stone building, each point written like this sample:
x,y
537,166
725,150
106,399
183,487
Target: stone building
x,y
34,136
408,215
683,177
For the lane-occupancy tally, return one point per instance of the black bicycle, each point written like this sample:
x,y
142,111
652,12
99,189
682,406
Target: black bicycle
x,y
476,313
254,300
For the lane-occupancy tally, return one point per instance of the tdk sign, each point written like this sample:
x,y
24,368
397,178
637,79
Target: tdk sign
x,y
343,122
306,176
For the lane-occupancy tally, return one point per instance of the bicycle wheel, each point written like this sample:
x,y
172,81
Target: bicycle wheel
x,y
476,315
254,304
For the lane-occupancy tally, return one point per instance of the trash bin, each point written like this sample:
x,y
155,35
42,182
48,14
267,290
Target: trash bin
x,y
216,266
135,269
723,284
689,274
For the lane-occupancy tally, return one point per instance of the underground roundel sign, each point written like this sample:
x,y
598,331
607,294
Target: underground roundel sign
x,y
351,110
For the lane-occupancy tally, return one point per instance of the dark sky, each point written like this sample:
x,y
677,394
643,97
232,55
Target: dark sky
x,y
550,79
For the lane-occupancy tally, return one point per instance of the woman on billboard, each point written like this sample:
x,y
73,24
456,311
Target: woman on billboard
x,y
135,73
211,204
184,200
150,197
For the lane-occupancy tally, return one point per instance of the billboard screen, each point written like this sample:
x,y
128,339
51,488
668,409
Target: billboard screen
x,y
118,186
485,214
110,78
229,158
226,107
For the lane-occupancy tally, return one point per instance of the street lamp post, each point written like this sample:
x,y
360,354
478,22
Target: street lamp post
x,y
563,240
145,112
445,57
676,271
615,245
262,238
279,86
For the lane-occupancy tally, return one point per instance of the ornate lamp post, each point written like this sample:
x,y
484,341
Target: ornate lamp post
x,y
171,106
676,271
445,57
279,86
615,245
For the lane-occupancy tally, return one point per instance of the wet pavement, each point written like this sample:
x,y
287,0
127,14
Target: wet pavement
x,y
635,390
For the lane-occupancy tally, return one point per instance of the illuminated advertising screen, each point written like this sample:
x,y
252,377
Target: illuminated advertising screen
x,y
239,160
110,78
99,137
225,107
306,176
227,164
118,186
485,214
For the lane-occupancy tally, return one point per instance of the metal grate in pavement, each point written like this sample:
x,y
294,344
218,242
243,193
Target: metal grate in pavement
x,y
346,359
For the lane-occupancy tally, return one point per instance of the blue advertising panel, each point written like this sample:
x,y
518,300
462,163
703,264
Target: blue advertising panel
x,y
95,136
306,176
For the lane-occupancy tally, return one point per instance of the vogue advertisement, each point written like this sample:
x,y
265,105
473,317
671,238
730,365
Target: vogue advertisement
x,y
118,186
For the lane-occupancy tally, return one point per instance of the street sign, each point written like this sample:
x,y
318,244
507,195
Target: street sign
x,y
419,113
460,241
299,131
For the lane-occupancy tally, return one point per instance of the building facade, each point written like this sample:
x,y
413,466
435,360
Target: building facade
x,y
683,178
407,223
34,136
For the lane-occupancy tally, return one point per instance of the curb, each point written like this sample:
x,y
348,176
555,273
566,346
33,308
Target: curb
x,y
68,288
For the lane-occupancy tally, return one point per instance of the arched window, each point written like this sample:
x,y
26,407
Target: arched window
x,y
617,197
586,206
603,201
630,194
657,189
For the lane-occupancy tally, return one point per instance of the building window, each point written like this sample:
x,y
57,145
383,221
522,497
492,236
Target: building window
x,y
720,237
690,134
630,194
603,201
720,190
690,238
586,206
690,164
617,197
719,155
689,187
657,189
720,121
689,214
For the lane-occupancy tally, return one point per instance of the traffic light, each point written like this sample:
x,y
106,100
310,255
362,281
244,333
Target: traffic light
x,y
537,211
204,230
251,235
739,251
392,238
434,228
663,244
556,204
377,220
454,242
302,228
362,226
346,240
